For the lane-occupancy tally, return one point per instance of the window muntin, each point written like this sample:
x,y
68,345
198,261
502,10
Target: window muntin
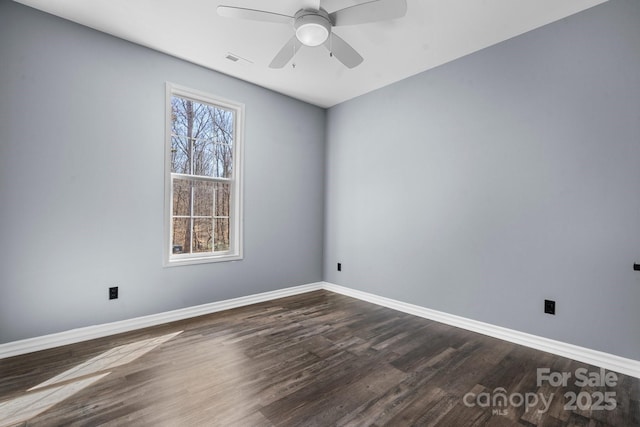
x,y
203,178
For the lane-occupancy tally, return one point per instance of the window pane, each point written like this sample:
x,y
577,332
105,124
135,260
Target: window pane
x,y
221,236
203,134
203,157
203,198
202,235
203,120
223,137
181,236
181,197
180,155
223,199
223,159
211,200
181,116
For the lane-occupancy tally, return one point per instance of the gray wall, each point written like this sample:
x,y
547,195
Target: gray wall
x,y
81,181
512,175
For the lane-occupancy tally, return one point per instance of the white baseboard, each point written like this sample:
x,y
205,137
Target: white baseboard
x,y
608,361
73,336
593,357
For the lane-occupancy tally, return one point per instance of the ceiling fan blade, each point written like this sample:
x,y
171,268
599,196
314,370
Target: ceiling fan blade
x,y
286,53
254,15
343,51
372,11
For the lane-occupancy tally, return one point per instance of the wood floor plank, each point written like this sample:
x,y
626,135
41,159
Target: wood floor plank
x,y
316,359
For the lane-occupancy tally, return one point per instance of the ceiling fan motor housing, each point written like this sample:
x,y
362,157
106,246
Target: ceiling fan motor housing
x,y
313,27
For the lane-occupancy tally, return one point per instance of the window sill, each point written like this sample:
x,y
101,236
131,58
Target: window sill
x,y
176,262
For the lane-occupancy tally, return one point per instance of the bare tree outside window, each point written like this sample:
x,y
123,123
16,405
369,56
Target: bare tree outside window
x,y
202,176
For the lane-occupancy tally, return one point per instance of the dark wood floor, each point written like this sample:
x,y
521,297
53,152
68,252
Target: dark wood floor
x,y
317,359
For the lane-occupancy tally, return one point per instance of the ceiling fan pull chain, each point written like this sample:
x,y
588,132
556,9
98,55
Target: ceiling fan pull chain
x,y
293,53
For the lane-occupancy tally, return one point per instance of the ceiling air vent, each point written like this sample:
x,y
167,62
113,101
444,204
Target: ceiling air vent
x,y
237,58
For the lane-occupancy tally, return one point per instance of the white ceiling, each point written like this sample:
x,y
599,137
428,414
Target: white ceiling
x,y
432,33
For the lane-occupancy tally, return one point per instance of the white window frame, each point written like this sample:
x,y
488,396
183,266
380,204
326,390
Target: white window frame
x,y
235,215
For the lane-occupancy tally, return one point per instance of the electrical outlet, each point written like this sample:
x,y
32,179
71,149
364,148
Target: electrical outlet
x,y
339,266
549,306
113,292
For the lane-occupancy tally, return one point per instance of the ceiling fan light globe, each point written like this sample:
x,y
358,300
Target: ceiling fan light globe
x,y
312,30
312,34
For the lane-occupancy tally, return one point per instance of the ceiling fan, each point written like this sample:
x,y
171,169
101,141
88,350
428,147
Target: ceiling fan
x,y
313,26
